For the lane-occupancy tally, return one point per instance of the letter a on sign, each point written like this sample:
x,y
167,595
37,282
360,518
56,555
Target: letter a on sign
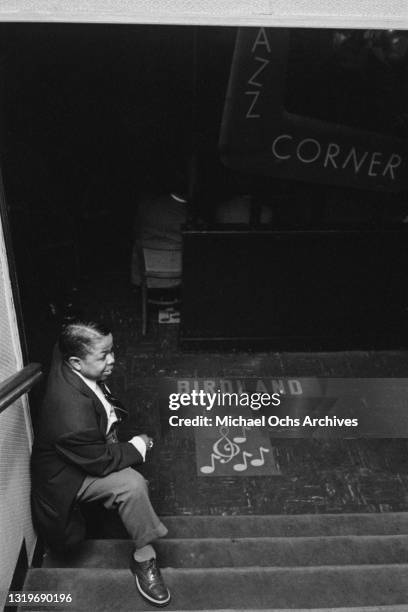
x,y
261,41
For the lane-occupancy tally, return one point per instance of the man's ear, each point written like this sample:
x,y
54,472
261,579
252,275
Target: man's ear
x,y
75,363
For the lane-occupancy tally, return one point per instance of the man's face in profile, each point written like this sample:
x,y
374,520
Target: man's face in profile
x,y
99,361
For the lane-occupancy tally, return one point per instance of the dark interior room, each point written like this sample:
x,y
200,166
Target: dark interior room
x,y
287,149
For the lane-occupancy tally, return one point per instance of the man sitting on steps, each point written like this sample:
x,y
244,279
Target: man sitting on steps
x,y
77,456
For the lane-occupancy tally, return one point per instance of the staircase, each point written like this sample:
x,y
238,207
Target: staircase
x,y
297,563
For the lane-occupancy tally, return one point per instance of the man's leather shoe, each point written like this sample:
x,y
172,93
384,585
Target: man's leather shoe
x,y
149,582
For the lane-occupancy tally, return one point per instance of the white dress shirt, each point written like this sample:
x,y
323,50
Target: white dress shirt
x,y
137,441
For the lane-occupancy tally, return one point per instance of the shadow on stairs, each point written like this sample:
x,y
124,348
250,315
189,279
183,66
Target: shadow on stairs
x,y
296,563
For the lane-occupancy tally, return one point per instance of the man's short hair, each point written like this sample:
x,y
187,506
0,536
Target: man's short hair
x,y
77,338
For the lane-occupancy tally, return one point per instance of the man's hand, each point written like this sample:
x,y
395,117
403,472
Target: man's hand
x,y
147,440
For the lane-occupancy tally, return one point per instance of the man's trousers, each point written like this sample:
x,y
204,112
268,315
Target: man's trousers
x,y
126,491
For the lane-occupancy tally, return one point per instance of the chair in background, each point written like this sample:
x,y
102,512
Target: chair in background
x,y
160,269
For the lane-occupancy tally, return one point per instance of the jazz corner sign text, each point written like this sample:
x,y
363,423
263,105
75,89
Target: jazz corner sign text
x,y
260,135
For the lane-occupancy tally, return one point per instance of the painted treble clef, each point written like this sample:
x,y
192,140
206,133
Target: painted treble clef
x,y
224,448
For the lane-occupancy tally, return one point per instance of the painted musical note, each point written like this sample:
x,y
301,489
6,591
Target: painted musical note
x,y
261,460
243,438
209,469
241,467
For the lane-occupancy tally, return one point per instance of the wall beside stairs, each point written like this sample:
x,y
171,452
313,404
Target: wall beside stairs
x,y
15,441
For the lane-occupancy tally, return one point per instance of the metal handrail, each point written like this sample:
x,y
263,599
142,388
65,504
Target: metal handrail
x,y
16,385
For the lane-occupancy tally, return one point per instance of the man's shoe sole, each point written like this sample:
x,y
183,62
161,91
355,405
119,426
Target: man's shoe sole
x,y
155,602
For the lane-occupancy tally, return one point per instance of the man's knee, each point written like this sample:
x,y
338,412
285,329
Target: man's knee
x,y
135,484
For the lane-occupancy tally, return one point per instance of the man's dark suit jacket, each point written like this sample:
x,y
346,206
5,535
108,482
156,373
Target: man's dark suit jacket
x,y
70,443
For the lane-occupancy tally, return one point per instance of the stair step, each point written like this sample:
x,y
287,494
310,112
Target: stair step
x,y
402,608
105,590
296,525
397,608
243,552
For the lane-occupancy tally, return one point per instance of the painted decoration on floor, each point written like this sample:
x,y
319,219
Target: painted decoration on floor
x,y
235,451
234,422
